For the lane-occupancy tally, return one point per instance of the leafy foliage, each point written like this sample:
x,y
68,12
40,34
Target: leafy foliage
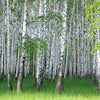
x,y
32,45
96,47
52,16
93,12
93,16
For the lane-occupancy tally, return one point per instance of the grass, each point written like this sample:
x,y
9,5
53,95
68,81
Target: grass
x,y
74,89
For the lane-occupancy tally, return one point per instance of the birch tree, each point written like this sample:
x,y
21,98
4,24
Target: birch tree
x,y
8,49
98,60
78,49
22,61
39,50
59,84
3,39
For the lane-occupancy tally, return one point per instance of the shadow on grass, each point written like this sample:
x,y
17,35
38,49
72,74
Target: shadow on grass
x,y
72,86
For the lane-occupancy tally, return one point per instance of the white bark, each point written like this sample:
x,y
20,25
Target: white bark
x,y
17,66
98,55
69,42
59,84
39,57
85,67
74,46
49,47
78,49
22,60
82,39
70,62
88,55
54,56
12,42
0,45
3,38
8,48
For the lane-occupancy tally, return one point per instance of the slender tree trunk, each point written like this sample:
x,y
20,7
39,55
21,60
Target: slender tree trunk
x,y
85,67
78,49
51,58
59,84
0,47
12,45
39,52
74,47
94,64
8,49
82,39
21,72
88,55
54,56
98,60
16,44
17,66
70,62
3,38
49,47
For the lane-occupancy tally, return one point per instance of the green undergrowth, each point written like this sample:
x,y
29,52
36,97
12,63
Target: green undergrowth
x,y
74,89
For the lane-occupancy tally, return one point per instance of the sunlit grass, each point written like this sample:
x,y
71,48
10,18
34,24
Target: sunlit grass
x,y
74,89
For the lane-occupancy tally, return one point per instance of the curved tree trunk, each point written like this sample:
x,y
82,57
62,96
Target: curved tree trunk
x,y
21,74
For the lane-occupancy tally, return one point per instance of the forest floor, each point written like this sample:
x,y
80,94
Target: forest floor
x,y
74,89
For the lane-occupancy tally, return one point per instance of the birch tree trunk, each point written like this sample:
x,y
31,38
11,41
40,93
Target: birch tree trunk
x,y
48,51
59,84
88,55
78,49
8,49
94,62
85,67
69,45
74,47
22,61
51,58
70,62
39,51
12,43
98,60
17,66
17,40
0,47
82,39
14,39
3,38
